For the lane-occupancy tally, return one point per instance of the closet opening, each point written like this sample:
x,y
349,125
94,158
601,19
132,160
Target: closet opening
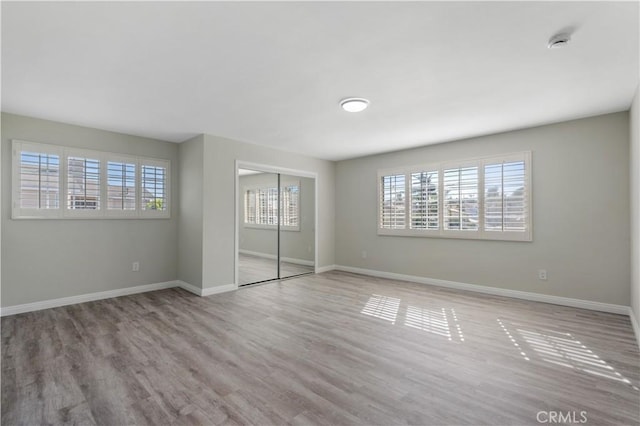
x,y
275,224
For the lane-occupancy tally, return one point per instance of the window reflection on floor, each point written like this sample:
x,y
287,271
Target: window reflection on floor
x,y
513,340
560,349
441,322
548,345
382,307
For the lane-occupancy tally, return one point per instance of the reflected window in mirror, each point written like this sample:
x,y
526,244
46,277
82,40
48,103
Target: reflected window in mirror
x,y
261,207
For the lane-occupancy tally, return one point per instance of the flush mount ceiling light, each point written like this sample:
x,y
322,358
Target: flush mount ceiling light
x,y
559,40
354,104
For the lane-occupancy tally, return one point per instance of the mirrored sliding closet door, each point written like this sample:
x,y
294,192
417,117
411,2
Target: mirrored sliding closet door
x,y
276,226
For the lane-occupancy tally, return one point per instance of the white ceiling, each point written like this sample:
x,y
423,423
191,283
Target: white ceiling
x,y
273,73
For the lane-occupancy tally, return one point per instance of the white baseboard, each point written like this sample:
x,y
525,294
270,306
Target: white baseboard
x,y
72,300
517,294
190,288
327,268
635,325
295,261
274,257
207,291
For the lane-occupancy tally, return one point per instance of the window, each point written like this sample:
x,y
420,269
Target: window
x,y
424,200
261,207
393,210
460,189
36,180
83,183
121,185
505,207
290,206
154,188
92,184
487,198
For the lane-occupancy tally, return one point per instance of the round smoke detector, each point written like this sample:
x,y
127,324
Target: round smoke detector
x,y
559,40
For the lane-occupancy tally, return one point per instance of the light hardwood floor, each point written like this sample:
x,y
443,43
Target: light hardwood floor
x,y
332,349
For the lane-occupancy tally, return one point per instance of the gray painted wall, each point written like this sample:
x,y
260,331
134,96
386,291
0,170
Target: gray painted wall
x,y
220,155
634,114
293,244
190,171
49,259
580,176
1,210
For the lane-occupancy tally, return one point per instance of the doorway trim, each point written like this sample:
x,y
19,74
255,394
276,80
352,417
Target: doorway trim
x,y
241,164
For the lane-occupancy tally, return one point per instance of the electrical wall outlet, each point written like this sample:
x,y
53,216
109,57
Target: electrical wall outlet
x,y
542,274
364,254
135,266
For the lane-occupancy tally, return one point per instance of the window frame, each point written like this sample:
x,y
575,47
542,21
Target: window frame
x,y
82,213
461,233
19,146
407,205
285,183
481,233
154,162
103,212
127,159
409,216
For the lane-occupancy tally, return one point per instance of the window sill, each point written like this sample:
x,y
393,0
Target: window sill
x,y
459,235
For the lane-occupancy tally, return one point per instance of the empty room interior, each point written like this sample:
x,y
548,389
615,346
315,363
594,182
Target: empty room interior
x,y
320,213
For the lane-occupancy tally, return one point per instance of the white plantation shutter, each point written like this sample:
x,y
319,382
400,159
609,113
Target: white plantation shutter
x,y
460,198
515,203
121,185
36,180
506,207
262,213
290,209
39,180
261,206
52,181
250,206
266,206
83,183
485,198
154,188
392,201
272,206
153,185
425,200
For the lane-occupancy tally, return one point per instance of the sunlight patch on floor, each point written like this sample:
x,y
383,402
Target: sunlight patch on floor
x,y
382,307
561,349
441,322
